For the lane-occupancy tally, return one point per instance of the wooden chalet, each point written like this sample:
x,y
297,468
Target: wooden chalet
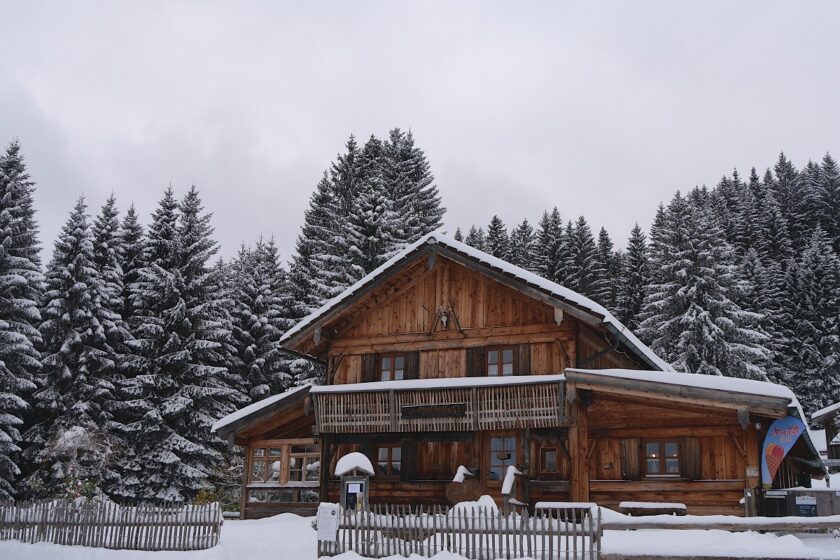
x,y
446,356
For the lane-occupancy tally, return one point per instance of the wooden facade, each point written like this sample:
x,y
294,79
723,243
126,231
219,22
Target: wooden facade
x,y
447,359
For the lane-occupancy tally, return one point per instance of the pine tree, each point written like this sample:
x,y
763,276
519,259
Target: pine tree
x,y
414,196
583,274
521,249
608,264
828,200
497,242
131,246
635,277
70,441
476,238
182,385
458,235
549,241
689,316
373,225
21,284
259,320
815,293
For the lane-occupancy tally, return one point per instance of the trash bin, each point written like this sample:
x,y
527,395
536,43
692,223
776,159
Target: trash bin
x,y
775,503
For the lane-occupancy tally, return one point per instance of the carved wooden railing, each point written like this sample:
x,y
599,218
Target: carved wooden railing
x,y
494,407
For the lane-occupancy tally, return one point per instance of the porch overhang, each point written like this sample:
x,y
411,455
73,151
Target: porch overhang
x,y
441,405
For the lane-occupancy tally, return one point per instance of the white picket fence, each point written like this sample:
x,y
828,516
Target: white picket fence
x,y
108,525
477,533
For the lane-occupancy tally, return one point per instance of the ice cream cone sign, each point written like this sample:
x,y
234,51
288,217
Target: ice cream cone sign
x,y
780,438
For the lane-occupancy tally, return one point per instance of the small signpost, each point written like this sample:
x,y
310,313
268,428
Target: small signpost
x,y
355,470
806,506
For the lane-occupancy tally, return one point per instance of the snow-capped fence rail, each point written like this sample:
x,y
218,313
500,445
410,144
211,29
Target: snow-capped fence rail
x,y
477,533
108,525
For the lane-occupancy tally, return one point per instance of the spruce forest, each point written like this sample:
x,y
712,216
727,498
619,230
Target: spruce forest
x,y
119,353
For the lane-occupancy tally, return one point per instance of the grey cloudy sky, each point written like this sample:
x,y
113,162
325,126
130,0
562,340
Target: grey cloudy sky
x,y
603,109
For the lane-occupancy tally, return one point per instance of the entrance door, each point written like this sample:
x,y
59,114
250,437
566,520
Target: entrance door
x,y
501,449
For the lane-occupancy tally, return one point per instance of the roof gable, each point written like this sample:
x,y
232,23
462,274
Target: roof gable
x,y
437,244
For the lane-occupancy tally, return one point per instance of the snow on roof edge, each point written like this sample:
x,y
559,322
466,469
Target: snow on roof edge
x,y
699,380
354,460
827,410
255,407
494,262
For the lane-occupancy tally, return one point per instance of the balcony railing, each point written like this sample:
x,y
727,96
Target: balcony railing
x,y
472,404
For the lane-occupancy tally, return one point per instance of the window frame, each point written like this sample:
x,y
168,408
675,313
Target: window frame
x,y
282,485
389,460
663,458
542,469
500,349
393,356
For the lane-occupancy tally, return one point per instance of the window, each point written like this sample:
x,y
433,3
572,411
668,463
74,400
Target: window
x,y
502,455
265,464
391,367
662,458
548,460
389,460
284,471
500,361
304,463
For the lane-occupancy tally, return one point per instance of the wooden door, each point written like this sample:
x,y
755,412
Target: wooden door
x,y
499,450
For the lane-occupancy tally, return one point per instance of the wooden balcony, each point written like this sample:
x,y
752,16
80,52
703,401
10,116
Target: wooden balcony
x,y
441,405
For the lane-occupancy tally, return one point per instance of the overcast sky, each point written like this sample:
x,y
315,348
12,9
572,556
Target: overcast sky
x,y
601,110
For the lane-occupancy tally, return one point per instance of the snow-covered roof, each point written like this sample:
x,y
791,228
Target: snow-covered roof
x,y
442,383
556,290
716,382
818,437
725,385
257,406
354,460
822,413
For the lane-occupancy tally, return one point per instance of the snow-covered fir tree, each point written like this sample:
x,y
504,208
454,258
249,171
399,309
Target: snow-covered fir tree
x,y
476,238
635,277
70,438
181,384
689,315
521,249
21,285
608,268
131,247
549,244
583,273
497,242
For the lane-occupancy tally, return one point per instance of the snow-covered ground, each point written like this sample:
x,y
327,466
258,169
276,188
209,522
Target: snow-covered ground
x,y
290,537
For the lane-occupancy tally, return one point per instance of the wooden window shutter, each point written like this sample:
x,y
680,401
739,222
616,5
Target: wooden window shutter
x,y
412,365
369,368
408,470
475,362
691,465
631,467
522,359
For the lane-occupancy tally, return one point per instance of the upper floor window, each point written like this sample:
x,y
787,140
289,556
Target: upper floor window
x,y
499,360
389,460
662,458
548,460
391,367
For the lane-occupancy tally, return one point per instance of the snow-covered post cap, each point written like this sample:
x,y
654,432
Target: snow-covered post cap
x,y
354,461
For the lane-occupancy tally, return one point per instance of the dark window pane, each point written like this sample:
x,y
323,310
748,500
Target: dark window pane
x,y
507,356
549,462
274,452
398,374
507,369
653,466
652,450
259,452
672,466
399,362
672,450
258,471
396,453
492,369
493,357
395,467
386,364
